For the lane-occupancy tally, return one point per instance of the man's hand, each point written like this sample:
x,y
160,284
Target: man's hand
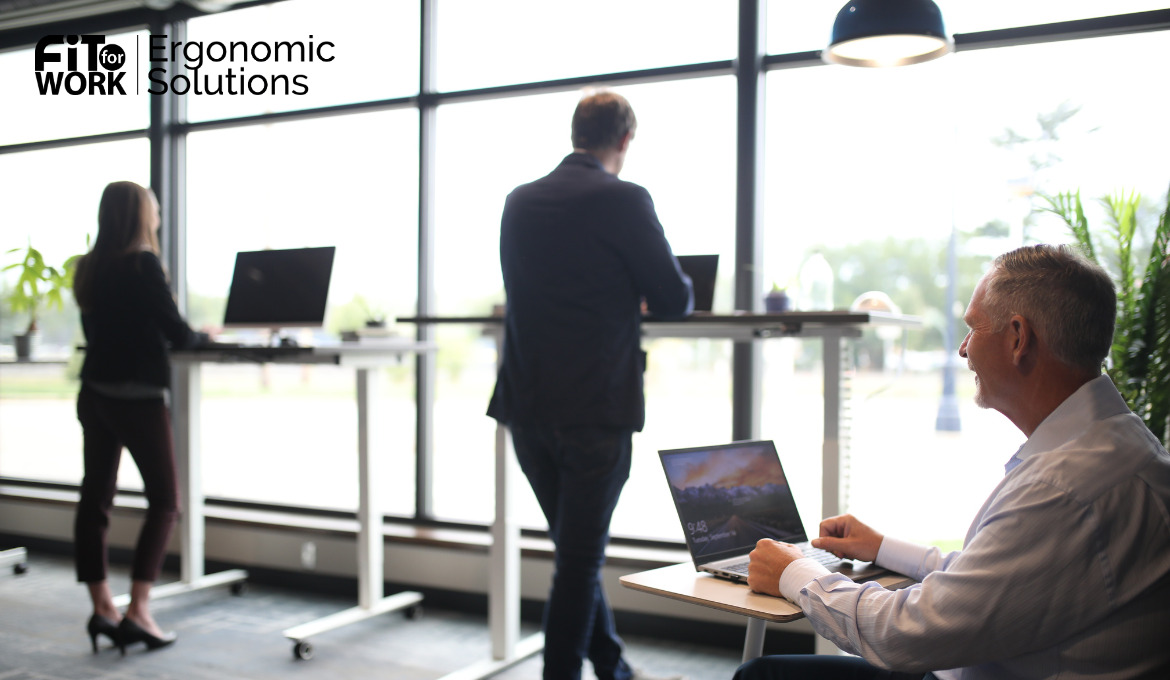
x,y
845,536
768,561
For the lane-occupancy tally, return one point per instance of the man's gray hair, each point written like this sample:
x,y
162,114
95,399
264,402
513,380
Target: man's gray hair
x,y
1068,299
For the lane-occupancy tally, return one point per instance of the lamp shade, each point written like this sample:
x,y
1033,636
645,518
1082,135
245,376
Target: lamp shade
x,y
888,33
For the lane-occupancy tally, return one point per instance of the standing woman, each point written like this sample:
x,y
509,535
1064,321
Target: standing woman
x,y
130,321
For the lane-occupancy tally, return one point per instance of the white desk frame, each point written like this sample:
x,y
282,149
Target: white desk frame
x,y
681,582
832,327
16,557
363,358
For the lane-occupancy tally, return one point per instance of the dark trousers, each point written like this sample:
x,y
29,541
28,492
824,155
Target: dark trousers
x,y
577,474
143,426
816,667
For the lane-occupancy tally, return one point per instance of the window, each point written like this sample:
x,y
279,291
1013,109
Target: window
x,y
693,189
336,60
531,40
272,432
873,168
29,116
51,202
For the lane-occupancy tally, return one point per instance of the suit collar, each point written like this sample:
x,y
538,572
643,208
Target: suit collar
x,y
583,159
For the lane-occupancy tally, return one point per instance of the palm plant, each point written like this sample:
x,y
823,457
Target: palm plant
x,y
1139,360
39,285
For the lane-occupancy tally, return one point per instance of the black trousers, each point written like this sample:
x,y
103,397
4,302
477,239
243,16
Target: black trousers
x,y
143,426
818,667
577,474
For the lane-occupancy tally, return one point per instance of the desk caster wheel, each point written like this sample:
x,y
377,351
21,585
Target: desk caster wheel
x,y
303,650
20,568
239,588
414,612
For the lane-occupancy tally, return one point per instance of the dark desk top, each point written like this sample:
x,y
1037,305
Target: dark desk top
x,y
734,325
357,354
841,316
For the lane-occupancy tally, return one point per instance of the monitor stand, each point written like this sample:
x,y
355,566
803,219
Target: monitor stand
x,y
278,337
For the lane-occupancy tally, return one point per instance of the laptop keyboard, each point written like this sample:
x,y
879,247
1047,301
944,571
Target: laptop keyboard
x,y
822,557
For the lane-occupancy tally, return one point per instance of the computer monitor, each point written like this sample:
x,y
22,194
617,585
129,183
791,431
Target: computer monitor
x,y
280,288
701,269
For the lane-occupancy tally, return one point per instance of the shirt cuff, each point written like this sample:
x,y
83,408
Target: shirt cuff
x,y
901,556
799,574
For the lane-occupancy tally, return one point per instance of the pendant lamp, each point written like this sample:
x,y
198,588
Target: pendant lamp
x,y
888,33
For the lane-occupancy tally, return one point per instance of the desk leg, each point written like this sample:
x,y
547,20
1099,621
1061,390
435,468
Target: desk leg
x,y
504,563
831,447
834,454
753,643
504,585
504,593
187,423
370,543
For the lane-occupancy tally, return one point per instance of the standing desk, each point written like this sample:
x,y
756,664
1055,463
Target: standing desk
x,y
833,327
363,358
681,582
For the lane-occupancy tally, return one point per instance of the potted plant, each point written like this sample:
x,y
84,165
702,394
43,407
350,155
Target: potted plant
x,y
777,299
1139,361
38,286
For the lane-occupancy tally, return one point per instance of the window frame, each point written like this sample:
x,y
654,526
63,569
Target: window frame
x,y
168,131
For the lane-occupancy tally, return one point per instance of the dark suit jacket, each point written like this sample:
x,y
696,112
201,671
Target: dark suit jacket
x,y
132,323
580,249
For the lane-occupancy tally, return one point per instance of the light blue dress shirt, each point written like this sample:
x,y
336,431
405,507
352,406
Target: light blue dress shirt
x,y
1064,573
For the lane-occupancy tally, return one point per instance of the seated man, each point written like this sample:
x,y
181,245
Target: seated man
x,y
1065,571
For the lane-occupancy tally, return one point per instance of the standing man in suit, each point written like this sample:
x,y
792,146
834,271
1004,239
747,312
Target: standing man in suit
x,y
582,252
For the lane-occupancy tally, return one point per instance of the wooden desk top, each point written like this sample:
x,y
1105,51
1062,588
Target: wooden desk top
x,y
682,582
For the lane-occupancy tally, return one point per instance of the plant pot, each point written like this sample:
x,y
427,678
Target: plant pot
x,y
777,302
25,345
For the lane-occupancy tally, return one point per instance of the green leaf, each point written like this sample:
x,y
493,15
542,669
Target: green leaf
x,y
1140,355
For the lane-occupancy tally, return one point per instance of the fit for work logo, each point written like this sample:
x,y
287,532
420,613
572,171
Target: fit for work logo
x,y
88,64
79,64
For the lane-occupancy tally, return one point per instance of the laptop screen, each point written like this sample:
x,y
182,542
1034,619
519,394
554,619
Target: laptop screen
x,y
730,496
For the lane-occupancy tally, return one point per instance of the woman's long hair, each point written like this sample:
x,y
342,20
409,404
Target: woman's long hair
x,y
126,225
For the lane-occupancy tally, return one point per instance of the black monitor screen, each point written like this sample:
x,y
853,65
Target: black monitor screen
x,y
279,288
701,269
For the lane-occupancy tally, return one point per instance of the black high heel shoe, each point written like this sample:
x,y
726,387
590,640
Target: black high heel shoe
x,y
100,625
130,632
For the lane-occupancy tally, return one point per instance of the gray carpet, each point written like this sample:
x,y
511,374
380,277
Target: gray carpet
x,y
221,637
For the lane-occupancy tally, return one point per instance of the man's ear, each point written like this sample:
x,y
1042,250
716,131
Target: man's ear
x,y
1022,338
625,141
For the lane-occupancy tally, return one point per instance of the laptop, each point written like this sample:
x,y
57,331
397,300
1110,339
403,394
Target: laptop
x,y
728,497
701,269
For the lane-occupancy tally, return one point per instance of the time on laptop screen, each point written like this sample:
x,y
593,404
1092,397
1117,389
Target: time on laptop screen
x,y
730,497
